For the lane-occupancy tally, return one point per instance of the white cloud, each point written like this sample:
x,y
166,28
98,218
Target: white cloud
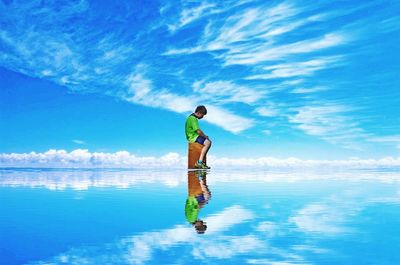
x,y
267,132
298,69
141,91
227,120
385,139
272,262
321,218
249,37
272,53
78,141
86,159
69,63
82,158
190,14
255,38
312,249
254,23
268,228
226,91
330,121
270,110
308,90
390,24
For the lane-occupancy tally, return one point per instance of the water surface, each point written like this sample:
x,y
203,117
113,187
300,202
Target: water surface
x,y
52,216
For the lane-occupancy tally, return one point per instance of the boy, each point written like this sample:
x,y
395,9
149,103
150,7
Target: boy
x,y
198,196
194,134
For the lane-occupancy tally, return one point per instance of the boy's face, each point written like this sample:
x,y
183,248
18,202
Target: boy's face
x,y
200,226
200,115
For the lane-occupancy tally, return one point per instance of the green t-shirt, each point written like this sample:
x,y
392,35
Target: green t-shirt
x,y
191,209
191,127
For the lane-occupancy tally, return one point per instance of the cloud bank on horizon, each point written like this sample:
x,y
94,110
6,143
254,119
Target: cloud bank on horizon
x,y
317,68
82,158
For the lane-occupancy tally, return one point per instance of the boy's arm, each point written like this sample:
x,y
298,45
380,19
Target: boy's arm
x,y
200,132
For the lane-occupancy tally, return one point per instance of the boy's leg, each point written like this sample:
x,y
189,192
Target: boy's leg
x,y
204,150
208,149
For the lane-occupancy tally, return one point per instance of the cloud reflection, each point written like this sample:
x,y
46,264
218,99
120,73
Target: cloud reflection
x,y
282,232
139,249
82,179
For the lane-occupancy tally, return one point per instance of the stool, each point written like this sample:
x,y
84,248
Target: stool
x,y
194,151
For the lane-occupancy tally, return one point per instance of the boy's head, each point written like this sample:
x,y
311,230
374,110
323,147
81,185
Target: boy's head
x,y
200,111
200,226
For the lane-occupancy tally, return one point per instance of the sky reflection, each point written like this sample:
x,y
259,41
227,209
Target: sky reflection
x,y
126,218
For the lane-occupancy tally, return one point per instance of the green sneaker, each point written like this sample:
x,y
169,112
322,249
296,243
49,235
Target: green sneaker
x,y
201,173
201,166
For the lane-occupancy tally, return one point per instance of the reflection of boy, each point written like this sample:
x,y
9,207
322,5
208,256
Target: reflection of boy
x,y
194,134
198,197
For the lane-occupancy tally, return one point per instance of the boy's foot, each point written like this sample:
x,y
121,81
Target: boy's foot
x,y
201,166
201,173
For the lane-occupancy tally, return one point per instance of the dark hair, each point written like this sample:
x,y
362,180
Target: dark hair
x,y
201,109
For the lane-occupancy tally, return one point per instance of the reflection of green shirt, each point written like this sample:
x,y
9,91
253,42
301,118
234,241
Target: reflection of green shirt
x,y
191,209
191,127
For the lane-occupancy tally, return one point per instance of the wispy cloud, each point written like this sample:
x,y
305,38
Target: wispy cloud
x,y
254,37
308,90
269,110
273,53
98,69
226,91
272,262
248,37
190,14
298,69
385,139
228,120
141,91
390,24
79,141
266,132
329,121
322,218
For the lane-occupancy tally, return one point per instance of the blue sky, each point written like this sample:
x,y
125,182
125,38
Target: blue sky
x,y
308,79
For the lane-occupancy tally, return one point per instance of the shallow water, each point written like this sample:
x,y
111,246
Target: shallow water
x,y
144,217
